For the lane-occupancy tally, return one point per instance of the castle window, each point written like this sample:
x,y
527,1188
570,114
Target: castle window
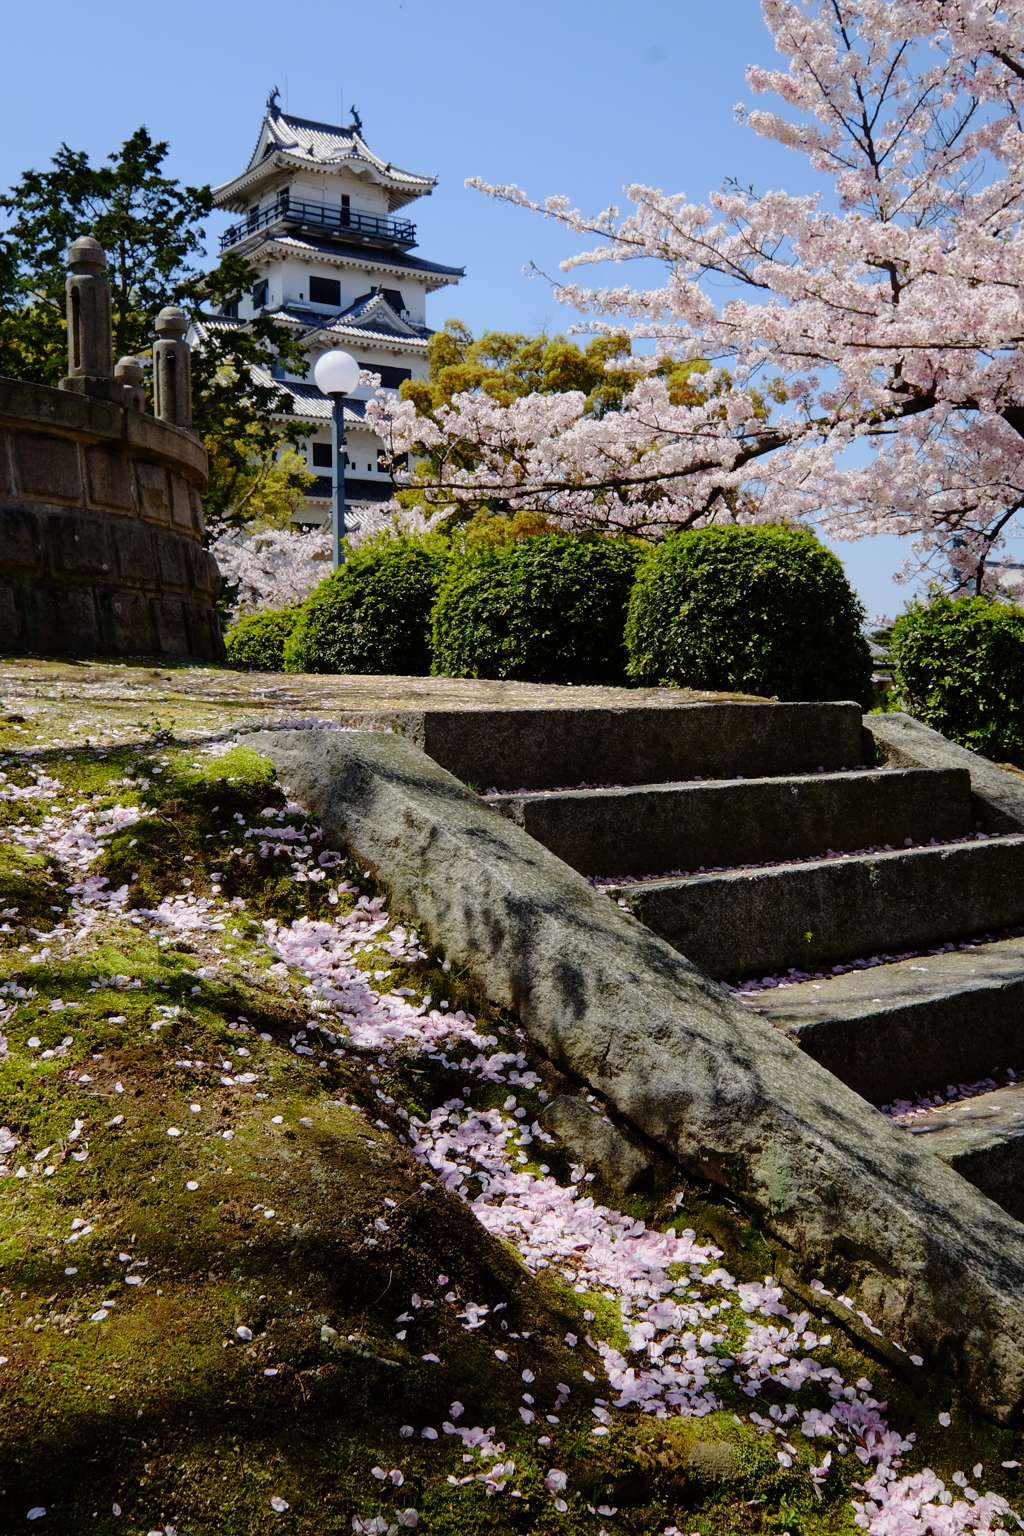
x,y
325,290
323,457
390,378
259,294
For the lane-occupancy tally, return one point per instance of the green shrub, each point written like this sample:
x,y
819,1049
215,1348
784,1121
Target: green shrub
x,y
257,641
373,613
765,610
545,609
958,665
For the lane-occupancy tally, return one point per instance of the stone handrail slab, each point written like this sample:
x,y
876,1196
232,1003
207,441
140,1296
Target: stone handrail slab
x,y
908,743
177,446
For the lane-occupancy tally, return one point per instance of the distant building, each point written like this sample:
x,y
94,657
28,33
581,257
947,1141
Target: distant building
x,y
332,262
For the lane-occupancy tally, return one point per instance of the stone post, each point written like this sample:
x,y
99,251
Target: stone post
x,y
90,349
172,369
128,371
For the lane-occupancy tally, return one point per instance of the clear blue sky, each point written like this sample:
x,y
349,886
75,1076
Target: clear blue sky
x,y
573,96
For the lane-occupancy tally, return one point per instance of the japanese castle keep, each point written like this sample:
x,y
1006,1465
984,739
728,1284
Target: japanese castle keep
x,y
321,223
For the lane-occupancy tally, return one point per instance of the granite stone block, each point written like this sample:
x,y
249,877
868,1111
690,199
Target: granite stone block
x,y
21,541
109,477
48,467
80,545
153,495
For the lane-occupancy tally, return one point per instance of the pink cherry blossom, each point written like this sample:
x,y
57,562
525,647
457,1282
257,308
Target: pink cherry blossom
x,y
862,344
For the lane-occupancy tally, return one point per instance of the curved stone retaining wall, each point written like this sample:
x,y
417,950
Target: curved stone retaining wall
x,y
101,529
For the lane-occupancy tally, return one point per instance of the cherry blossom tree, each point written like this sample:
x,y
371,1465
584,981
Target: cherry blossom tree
x,y
865,366
274,569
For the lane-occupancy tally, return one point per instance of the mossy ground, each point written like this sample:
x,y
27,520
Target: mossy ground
x,y
160,1407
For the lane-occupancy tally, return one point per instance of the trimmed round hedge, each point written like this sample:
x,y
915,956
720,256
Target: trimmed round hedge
x,y
256,643
546,609
372,615
765,610
958,665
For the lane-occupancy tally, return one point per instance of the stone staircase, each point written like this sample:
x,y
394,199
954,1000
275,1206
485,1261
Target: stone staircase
x,y
857,880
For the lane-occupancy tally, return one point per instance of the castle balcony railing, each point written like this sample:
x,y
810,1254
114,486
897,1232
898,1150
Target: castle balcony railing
x,y
288,213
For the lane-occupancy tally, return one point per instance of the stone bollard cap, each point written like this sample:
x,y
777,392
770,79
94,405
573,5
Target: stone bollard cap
x,y
86,255
171,321
128,370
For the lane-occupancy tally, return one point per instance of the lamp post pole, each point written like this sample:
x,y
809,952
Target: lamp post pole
x,y
338,529
337,375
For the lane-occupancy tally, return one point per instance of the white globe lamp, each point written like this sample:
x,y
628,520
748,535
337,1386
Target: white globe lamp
x,y
337,375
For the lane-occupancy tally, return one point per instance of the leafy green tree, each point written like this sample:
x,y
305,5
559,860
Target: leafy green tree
x,y
233,407
151,229
259,491
147,223
507,365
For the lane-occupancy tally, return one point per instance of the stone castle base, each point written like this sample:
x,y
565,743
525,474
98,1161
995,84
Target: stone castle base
x,y
101,530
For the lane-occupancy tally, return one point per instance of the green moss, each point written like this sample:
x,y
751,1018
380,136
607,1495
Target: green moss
x,y
31,890
199,811
162,1408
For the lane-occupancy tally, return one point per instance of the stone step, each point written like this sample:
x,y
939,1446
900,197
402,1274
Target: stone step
x,y
632,744
983,1140
763,921
912,1026
660,827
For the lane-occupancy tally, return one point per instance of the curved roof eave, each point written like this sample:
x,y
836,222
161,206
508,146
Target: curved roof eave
x,y
403,187
433,274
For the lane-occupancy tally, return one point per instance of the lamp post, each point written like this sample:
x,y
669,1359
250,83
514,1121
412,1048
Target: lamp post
x,y
337,375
